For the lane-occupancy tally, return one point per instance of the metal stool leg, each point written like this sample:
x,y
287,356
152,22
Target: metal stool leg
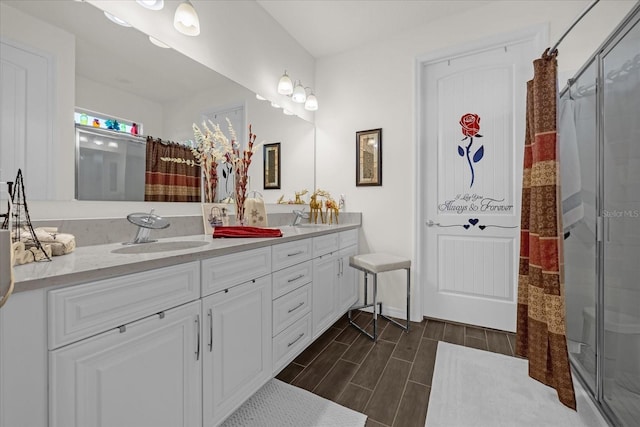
x,y
375,308
358,307
398,324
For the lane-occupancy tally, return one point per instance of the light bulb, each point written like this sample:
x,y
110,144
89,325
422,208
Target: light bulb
x,y
158,43
116,20
299,95
311,103
285,86
151,4
186,19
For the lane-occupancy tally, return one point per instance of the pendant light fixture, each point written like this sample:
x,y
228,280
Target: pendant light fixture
x,y
299,95
285,86
116,20
311,104
186,19
151,4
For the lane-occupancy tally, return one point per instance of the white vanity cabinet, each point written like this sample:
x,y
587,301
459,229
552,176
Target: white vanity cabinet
x,y
334,281
145,373
126,350
236,347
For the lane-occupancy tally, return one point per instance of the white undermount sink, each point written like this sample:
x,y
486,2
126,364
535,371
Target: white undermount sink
x,y
146,248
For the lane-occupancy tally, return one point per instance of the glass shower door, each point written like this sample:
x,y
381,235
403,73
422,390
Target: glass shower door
x,y
578,137
621,217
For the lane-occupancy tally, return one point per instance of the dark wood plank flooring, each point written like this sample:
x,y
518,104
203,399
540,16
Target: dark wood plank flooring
x,y
389,381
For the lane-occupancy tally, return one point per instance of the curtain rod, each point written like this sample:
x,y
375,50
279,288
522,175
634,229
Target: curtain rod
x,y
584,12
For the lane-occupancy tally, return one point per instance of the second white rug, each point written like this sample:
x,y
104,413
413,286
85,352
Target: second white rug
x,y
278,404
479,388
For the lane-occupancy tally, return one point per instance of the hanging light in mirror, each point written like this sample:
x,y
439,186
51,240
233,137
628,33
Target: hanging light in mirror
x,y
186,19
151,4
287,112
260,97
158,43
274,105
116,20
285,86
311,104
299,94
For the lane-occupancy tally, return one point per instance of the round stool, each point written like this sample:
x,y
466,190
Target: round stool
x,y
374,264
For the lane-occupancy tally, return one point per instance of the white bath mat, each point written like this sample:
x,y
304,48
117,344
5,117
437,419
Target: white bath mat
x,y
477,388
278,404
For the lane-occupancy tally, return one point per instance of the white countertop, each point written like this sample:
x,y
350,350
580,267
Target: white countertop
x,y
98,262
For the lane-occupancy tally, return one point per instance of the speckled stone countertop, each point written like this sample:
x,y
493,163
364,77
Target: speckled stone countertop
x,y
99,262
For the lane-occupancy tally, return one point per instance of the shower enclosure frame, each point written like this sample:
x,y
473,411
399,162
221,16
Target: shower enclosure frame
x,y
597,392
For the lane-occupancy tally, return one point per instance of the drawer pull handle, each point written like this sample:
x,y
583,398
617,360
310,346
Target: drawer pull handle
x,y
210,314
295,341
198,338
161,315
291,310
296,253
122,329
295,278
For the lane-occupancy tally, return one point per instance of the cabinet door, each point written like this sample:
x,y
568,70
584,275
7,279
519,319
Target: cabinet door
x,y
237,347
325,292
348,284
147,373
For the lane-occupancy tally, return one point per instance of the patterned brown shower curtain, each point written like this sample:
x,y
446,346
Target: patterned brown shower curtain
x,y
171,174
541,334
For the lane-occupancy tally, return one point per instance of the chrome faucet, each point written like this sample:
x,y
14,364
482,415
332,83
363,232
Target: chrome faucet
x,y
299,215
146,222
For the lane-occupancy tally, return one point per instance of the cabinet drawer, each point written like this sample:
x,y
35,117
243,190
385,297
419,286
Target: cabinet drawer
x,y
325,244
284,281
226,271
291,342
291,307
291,253
348,238
80,311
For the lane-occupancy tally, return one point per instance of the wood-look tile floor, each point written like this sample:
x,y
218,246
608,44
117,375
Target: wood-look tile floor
x,y
389,381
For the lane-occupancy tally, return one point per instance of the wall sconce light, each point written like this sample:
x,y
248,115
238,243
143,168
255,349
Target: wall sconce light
x,y
186,19
116,20
285,86
297,92
151,4
158,43
299,95
311,104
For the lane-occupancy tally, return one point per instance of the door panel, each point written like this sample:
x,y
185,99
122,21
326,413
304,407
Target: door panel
x,y
473,180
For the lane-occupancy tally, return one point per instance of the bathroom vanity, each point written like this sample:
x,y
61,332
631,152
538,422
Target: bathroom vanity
x,y
112,335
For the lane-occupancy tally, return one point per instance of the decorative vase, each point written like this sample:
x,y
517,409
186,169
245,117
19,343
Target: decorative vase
x,y
241,196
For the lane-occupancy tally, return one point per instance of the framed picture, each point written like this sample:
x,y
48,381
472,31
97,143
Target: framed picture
x,y
214,215
271,155
369,157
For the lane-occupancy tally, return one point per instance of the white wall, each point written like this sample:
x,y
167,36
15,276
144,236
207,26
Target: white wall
x,y
374,87
21,28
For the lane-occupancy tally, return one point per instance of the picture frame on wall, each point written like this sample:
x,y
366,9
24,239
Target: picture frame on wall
x,y
271,157
369,158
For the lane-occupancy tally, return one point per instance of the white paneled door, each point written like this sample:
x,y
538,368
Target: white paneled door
x,y
472,133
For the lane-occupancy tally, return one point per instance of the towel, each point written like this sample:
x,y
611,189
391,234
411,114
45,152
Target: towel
x,y
238,231
255,212
61,243
570,178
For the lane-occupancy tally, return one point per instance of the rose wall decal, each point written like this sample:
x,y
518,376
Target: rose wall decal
x,y
470,127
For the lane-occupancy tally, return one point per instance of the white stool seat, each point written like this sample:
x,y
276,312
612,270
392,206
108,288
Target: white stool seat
x,y
379,262
373,264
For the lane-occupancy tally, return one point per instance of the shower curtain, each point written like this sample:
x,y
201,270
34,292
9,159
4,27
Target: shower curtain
x,y
541,330
171,173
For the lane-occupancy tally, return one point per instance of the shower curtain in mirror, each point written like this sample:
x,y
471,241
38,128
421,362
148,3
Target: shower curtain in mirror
x,y
541,333
171,174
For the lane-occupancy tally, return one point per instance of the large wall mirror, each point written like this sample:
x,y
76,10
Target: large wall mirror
x,y
120,74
